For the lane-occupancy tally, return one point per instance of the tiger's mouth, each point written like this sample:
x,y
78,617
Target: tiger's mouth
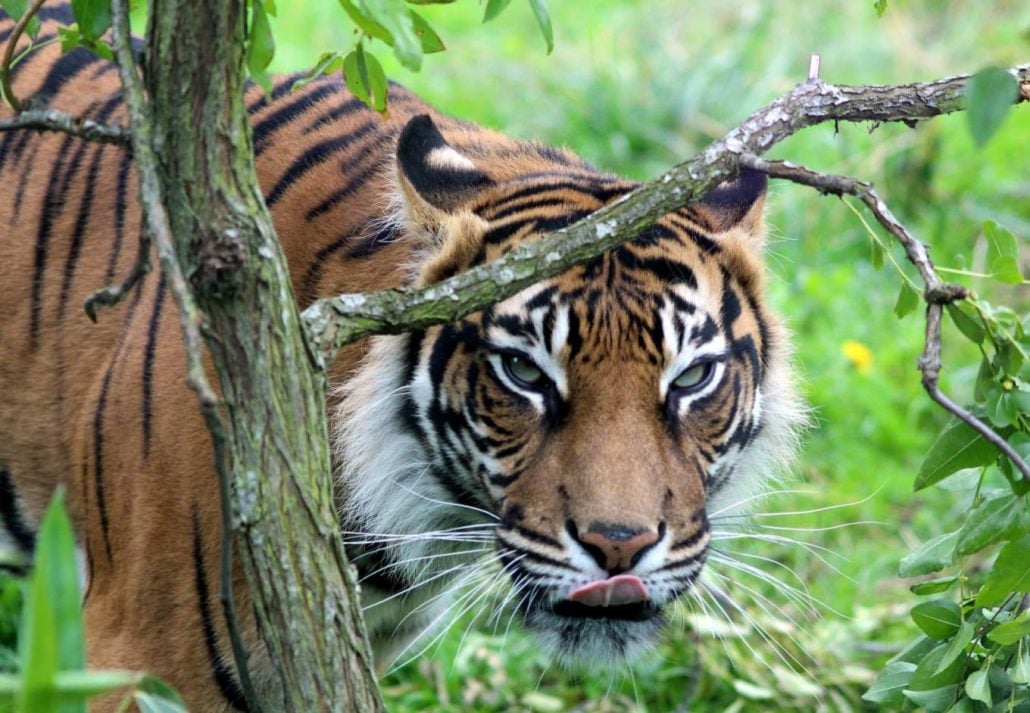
x,y
623,596
636,611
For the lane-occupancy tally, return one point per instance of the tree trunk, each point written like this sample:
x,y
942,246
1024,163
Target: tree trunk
x,y
304,592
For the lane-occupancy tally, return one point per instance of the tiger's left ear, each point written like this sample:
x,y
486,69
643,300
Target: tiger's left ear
x,y
738,206
437,183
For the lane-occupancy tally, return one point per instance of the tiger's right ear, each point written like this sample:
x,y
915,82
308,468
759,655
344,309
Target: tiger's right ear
x,y
437,182
433,174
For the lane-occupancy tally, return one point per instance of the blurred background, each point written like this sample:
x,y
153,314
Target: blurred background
x,y
636,87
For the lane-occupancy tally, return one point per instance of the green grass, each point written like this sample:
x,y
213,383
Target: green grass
x,y
637,87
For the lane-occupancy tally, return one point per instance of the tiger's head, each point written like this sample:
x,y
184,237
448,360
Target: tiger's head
x,y
574,439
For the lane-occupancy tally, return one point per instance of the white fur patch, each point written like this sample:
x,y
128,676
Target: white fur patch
x,y
446,158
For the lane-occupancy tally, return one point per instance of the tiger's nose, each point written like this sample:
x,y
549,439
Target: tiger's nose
x,y
616,548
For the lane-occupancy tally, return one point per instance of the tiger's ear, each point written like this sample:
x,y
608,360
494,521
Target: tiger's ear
x,y
433,174
436,183
738,206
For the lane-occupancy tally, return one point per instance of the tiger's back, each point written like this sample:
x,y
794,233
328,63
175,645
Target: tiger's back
x,y
582,426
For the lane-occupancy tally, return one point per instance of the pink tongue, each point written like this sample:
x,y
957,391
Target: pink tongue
x,y
620,589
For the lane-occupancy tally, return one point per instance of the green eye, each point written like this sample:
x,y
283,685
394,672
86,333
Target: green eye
x,y
523,371
694,376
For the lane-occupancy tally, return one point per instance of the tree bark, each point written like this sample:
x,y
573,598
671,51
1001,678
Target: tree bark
x,y
304,593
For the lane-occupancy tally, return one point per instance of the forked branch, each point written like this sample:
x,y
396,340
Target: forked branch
x,y
937,293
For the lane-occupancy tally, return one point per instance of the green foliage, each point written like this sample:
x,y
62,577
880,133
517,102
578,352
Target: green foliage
x,y
989,97
50,675
17,8
986,631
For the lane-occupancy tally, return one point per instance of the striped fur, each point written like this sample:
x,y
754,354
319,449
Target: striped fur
x,y
448,461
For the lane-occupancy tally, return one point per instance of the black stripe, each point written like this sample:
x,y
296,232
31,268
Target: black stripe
x,y
357,178
98,457
119,215
148,363
51,206
667,270
285,115
337,112
313,157
85,207
279,90
23,179
223,676
63,71
24,536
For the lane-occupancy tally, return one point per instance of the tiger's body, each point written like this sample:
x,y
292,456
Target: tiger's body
x,y
575,434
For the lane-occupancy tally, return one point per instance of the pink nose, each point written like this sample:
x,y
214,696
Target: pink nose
x,y
620,589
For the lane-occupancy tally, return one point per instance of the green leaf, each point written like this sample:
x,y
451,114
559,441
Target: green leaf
x,y
939,619
1011,631
881,7
395,17
356,82
150,703
937,699
958,446
978,687
53,620
1020,673
262,46
908,300
966,323
81,684
999,518
1009,574
933,555
876,254
329,62
934,586
886,689
365,24
494,8
365,78
377,83
956,646
544,20
431,41
1002,253
989,96
92,16
17,8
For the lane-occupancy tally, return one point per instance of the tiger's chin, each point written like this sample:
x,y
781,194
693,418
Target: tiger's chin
x,y
581,636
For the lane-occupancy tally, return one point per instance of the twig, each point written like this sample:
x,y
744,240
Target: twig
x,y
336,321
5,63
53,120
937,293
190,317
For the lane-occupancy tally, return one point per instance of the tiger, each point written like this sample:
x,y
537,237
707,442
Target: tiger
x,y
567,445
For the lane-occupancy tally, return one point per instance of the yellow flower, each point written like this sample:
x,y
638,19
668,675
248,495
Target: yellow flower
x,y
858,354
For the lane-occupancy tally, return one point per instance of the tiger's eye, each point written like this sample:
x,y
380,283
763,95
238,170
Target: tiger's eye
x,y
523,371
693,377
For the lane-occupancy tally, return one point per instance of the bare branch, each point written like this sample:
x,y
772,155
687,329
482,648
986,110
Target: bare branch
x,y
336,321
53,120
190,318
937,293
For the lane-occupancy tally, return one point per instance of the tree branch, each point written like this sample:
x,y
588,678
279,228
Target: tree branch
x,y
339,320
158,226
8,57
937,293
53,120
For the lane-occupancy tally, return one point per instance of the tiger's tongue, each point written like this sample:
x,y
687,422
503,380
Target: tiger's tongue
x,y
620,589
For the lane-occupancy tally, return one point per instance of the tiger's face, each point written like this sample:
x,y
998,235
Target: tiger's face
x,y
576,436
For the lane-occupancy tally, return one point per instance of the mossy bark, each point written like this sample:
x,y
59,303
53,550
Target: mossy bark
x,y
303,591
